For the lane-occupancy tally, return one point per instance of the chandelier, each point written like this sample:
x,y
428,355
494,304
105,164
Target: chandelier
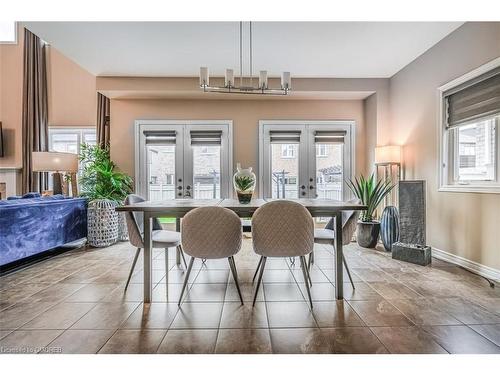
x,y
230,85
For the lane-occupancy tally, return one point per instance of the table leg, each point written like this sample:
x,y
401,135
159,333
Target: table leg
x,y
339,270
147,258
178,250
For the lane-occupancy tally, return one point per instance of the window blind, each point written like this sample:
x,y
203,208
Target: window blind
x,y
325,136
156,137
206,137
473,100
285,136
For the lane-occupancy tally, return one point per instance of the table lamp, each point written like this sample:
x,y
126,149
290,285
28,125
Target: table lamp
x,y
388,157
56,162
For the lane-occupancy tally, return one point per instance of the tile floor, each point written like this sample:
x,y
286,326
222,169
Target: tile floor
x,y
75,303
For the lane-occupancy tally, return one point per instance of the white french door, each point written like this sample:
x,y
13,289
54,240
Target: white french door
x,y
183,159
306,159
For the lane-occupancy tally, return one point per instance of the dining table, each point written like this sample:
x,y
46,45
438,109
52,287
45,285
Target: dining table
x,y
177,208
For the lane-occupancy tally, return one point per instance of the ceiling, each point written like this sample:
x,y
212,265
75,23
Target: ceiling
x,y
306,49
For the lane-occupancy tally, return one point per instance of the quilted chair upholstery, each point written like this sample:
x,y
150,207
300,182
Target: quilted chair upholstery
x,y
282,229
211,233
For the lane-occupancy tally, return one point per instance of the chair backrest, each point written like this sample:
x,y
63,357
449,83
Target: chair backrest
x,y
282,229
211,233
349,222
135,222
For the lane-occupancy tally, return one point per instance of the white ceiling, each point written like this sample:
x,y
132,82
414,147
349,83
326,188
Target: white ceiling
x,y
306,49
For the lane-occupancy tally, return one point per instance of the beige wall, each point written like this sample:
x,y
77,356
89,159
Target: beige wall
x,y
465,224
72,96
244,113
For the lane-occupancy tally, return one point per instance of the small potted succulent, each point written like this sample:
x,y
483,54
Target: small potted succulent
x,y
244,184
371,193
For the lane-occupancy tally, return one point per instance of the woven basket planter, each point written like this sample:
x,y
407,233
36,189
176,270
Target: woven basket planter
x,y
102,222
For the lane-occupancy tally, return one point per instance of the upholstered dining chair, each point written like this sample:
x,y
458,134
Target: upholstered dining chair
x,y
327,235
161,238
211,233
282,229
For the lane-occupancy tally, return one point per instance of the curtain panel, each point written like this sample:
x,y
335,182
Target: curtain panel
x,y
103,104
35,110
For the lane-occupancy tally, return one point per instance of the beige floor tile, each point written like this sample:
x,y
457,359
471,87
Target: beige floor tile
x,y
182,341
106,316
408,340
422,311
134,341
92,293
152,316
336,314
247,292
282,292
60,316
461,340
198,316
21,313
81,341
236,315
243,341
206,293
379,313
290,314
27,342
393,290
490,331
465,311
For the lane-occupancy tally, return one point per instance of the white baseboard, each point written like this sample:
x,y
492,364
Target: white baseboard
x,y
480,269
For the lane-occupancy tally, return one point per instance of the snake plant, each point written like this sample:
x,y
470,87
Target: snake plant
x,y
370,192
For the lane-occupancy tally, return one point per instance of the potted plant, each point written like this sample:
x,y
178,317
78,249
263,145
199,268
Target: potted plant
x,y
105,187
370,193
244,184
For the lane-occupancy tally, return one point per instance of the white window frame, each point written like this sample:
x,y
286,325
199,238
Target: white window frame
x,y
447,147
307,129
183,127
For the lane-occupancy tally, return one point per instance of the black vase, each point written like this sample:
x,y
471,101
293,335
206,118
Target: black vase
x,y
367,233
389,227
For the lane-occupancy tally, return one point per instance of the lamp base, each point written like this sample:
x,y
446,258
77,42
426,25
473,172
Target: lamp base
x,y
57,183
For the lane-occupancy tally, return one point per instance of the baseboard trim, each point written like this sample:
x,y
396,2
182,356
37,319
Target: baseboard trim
x,y
480,269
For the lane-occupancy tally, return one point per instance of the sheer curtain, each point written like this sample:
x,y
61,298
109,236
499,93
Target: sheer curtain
x,y
35,110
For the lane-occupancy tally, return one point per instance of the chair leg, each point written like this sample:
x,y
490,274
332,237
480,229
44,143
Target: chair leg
x,y
308,273
166,270
232,265
257,270
186,278
179,248
133,266
304,273
348,272
292,261
311,260
260,279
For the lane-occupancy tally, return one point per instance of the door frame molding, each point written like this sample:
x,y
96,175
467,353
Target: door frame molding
x,y
349,125
140,125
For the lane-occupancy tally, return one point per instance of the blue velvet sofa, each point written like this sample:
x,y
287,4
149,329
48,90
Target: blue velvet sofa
x,y
30,225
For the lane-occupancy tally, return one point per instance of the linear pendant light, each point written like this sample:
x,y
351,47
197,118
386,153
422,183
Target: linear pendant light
x,y
230,86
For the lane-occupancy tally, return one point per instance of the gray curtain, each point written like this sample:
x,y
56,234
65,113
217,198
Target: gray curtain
x,y
103,104
35,110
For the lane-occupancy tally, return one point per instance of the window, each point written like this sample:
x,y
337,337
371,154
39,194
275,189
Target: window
x,y
322,150
288,151
8,32
470,108
69,139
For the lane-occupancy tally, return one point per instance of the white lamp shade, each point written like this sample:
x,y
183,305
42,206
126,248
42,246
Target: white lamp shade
x,y
388,155
285,80
54,162
263,79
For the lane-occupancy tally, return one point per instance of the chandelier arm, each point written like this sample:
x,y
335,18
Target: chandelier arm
x,y
241,53
251,55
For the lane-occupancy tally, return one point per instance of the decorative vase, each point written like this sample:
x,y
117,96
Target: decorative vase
x,y
102,221
244,183
389,227
367,233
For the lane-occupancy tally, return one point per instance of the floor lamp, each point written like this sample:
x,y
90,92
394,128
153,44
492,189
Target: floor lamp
x,y
57,162
388,166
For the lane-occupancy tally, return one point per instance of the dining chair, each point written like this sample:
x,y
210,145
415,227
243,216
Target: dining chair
x,y
282,229
211,233
327,235
161,238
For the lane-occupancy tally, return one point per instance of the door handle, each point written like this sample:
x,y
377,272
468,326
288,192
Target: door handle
x,y
303,187
303,193
311,187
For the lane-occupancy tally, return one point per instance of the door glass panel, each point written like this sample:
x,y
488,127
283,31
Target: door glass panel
x,y
285,170
206,171
161,172
65,142
329,171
